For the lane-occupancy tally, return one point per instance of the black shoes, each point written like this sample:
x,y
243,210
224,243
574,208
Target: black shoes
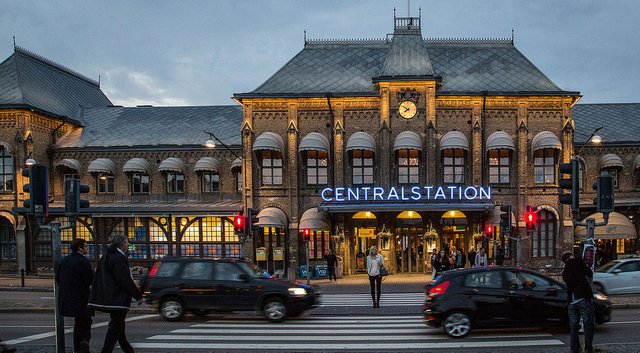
x,y
376,305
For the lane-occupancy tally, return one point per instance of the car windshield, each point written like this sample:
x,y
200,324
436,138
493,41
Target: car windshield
x,y
606,267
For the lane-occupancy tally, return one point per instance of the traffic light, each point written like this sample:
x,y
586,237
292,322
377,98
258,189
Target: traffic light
x,y
38,189
73,190
604,193
488,231
306,234
572,184
249,221
239,225
505,218
530,218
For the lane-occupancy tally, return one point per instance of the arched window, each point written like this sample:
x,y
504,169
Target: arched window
x,y
544,237
453,164
544,166
316,166
175,183
271,162
210,182
6,170
139,183
7,240
105,184
499,166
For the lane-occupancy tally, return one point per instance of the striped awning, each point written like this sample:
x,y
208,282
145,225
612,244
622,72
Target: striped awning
x,y
408,140
618,227
69,163
207,164
610,160
237,163
500,140
102,165
137,165
545,139
272,217
361,141
314,142
270,142
172,164
454,140
315,219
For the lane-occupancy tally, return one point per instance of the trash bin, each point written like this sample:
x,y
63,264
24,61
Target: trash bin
x,y
321,271
339,267
303,271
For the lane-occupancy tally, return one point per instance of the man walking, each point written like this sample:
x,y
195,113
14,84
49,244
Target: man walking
x,y
74,277
576,275
112,290
332,262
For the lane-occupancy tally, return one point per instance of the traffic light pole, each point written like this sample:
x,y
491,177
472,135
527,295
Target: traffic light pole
x,y
306,247
55,228
589,249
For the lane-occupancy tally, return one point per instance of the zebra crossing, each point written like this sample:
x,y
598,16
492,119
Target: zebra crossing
x,y
364,299
331,333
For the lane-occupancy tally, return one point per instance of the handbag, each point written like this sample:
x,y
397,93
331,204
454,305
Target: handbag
x,y
384,271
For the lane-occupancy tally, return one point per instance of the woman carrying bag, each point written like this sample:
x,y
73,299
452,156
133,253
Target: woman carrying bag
x,y
374,263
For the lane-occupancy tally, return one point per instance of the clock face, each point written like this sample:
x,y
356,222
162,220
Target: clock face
x,y
407,109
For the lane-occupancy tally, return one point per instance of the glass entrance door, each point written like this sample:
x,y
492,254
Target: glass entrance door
x,y
409,250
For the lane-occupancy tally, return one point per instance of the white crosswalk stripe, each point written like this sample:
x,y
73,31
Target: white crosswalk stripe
x,y
329,333
387,299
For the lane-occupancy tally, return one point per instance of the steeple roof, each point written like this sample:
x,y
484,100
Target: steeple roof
x,y
407,56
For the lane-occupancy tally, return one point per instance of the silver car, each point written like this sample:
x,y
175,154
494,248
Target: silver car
x,y
618,277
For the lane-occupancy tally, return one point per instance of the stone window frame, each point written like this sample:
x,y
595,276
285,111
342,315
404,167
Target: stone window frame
x,y
549,168
462,167
7,171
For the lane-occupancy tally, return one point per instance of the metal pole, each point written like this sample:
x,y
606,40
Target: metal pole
x,y
57,256
589,250
306,246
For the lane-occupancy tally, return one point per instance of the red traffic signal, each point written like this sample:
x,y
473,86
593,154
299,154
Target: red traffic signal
x,y
488,230
306,234
238,224
530,218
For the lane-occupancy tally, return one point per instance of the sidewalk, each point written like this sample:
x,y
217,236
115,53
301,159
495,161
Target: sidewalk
x,y
398,283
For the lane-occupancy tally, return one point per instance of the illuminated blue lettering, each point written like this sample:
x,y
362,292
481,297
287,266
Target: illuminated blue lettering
x,y
393,193
428,188
402,194
339,196
377,193
416,192
439,193
355,194
487,193
365,191
452,188
325,198
466,193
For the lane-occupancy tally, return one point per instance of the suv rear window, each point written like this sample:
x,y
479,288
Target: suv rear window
x,y
168,269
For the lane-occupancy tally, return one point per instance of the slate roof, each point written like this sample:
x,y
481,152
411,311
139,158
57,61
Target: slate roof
x,y
155,126
28,80
622,122
407,56
345,67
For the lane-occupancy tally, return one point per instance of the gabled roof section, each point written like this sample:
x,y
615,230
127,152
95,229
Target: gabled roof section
x,y
407,56
622,122
28,80
155,126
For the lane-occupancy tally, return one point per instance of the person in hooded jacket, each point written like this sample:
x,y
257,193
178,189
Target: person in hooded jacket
x,y
74,277
112,290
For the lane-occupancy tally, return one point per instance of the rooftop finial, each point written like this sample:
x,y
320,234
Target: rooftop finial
x,y
14,42
512,35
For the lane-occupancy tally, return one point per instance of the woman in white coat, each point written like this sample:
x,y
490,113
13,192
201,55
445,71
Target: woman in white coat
x,y
374,263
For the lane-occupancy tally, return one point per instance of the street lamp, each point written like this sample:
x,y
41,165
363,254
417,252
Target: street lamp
x,y
592,138
211,143
30,161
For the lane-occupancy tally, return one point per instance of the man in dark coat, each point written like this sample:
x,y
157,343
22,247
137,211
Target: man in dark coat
x,y
576,275
113,288
332,262
74,277
472,257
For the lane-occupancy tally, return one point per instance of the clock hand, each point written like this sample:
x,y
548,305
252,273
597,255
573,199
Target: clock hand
x,y
406,109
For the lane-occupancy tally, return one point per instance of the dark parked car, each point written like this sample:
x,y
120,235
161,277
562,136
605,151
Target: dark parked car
x,y
180,284
459,300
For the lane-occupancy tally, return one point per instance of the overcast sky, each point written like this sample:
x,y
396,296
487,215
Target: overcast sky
x,y
202,52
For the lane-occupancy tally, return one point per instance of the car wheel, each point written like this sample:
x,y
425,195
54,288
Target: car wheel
x,y
597,287
457,325
274,310
171,309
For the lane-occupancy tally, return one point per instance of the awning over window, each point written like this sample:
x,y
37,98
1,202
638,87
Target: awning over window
x,y
408,140
314,142
270,142
315,219
69,163
137,165
237,163
618,227
545,139
610,160
172,164
636,162
207,164
272,217
102,165
500,140
454,140
361,141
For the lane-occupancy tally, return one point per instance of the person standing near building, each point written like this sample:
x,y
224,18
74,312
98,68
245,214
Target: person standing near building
x,y
74,278
577,275
113,288
481,258
374,263
435,263
332,262
445,263
472,257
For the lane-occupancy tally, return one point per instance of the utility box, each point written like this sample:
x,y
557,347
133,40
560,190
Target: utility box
x,y
278,253
261,254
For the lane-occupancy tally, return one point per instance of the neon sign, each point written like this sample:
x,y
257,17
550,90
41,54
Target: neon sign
x,y
413,193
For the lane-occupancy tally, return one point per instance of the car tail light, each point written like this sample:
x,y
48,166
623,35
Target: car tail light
x,y
154,269
440,289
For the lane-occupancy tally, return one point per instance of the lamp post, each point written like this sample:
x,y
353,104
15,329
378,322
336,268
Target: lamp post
x,y
211,143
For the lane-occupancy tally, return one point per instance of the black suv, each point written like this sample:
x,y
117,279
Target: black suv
x,y
461,299
180,284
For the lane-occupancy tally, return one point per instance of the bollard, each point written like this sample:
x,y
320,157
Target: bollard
x,y
22,277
